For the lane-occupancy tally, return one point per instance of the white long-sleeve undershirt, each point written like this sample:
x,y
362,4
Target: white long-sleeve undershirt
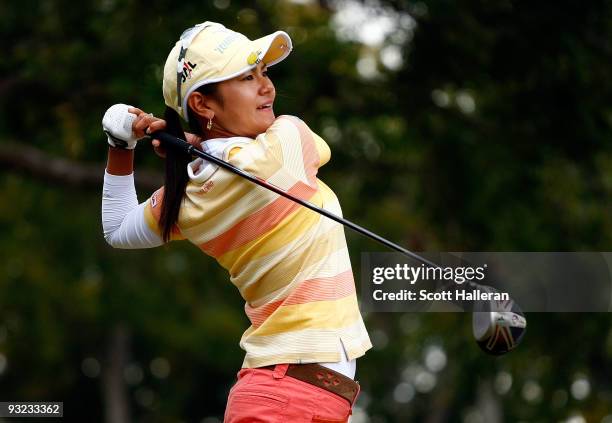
x,y
123,218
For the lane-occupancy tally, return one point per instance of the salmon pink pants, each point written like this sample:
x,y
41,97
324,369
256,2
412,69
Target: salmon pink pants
x,y
266,395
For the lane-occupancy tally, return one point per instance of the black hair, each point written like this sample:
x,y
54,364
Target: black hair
x,y
176,177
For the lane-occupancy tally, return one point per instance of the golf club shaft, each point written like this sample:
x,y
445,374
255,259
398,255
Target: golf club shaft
x,y
170,141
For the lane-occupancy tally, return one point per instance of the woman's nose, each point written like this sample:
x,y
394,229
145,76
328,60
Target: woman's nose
x,y
266,84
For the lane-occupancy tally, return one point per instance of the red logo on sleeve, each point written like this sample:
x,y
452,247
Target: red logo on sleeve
x,y
207,187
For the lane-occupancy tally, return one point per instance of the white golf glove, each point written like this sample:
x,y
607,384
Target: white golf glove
x,y
117,124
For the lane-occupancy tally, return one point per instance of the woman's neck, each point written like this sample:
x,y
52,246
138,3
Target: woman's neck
x,y
217,131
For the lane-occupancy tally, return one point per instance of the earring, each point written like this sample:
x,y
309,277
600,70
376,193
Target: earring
x,y
209,124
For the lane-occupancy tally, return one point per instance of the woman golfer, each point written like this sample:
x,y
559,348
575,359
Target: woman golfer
x,y
291,265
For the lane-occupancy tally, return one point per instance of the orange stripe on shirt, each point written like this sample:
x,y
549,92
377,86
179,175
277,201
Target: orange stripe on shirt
x,y
257,223
319,289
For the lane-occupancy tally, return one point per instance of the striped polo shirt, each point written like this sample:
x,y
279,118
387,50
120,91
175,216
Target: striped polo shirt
x,y
290,264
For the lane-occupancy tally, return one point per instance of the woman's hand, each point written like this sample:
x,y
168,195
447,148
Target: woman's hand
x,y
146,124
118,125
141,127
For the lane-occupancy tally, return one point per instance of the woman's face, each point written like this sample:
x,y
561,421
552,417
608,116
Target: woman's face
x,y
247,101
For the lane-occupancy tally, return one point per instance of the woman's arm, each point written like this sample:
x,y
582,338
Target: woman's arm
x,y
123,219
120,161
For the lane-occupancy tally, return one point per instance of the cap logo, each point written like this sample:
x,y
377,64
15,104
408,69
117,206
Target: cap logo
x,y
188,67
254,58
223,45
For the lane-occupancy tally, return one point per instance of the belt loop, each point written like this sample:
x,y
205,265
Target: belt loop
x,y
280,370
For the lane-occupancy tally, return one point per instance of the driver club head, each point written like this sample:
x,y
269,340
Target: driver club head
x,y
498,326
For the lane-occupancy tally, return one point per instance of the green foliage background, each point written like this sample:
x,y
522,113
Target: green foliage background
x,y
525,165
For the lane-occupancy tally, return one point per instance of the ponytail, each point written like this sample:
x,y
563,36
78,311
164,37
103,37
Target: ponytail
x,y
176,176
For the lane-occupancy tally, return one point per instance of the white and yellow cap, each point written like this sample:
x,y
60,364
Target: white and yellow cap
x,y
209,52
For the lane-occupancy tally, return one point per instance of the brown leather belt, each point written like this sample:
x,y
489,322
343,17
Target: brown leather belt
x,y
324,378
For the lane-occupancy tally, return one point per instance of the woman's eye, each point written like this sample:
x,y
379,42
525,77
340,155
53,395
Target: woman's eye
x,y
248,78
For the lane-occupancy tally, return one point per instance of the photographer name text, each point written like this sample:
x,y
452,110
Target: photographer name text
x,y
424,295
